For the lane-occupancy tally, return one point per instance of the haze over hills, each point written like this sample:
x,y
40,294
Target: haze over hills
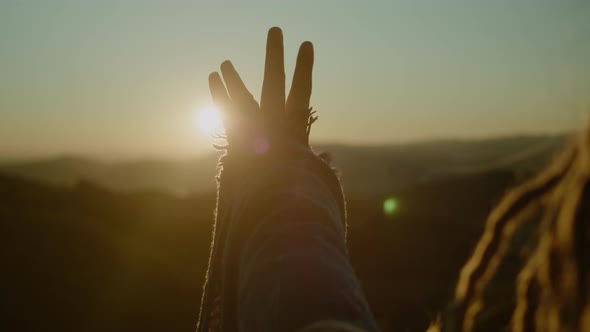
x,y
89,258
364,169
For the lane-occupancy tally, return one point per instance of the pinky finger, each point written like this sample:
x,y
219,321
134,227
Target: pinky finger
x,y
218,92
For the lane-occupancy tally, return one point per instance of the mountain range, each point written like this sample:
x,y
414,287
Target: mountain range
x,y
364,169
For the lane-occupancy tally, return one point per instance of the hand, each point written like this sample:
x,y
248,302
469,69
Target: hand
x,y
253,128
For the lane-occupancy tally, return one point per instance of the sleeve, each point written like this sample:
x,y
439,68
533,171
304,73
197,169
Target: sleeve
x,y
294,269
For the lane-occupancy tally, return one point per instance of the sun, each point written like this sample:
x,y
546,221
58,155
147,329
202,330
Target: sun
x,y
209,121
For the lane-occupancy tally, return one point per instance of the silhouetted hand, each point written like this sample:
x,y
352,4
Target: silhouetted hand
x,y
251,128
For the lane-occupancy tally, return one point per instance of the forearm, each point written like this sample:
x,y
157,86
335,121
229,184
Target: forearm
x,y
295,274
294,268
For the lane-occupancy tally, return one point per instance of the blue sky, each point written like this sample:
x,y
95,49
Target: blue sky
x,y
125,78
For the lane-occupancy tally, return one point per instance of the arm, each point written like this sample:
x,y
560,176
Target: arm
x,y
279,258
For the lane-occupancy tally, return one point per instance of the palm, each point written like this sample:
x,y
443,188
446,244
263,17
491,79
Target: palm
x,y
245,120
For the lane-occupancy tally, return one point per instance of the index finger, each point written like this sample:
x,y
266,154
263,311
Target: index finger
x,y
300,93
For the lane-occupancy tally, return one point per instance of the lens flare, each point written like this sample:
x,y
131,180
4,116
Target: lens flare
x,y
390,206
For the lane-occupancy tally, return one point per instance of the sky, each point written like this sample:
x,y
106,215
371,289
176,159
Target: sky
x,y
125,79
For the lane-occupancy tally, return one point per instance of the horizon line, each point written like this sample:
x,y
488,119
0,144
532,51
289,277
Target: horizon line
x,y
145,157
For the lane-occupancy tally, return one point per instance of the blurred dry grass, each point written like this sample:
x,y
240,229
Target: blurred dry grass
x,y
529,271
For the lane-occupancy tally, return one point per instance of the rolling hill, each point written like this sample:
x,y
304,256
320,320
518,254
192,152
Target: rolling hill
x,y
364,169
85,258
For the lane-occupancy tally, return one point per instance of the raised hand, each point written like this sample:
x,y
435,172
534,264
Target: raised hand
x,y
251,128
280,220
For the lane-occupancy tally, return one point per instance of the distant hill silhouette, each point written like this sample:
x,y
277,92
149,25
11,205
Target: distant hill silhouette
x,y
169,176
365,169
84,258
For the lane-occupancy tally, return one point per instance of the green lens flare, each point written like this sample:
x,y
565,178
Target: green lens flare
x,y
390,206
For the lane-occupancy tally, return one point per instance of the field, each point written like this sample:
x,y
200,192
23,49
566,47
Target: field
x,y
81,255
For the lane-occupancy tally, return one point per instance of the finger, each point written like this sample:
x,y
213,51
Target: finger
x,y
239,94
222,102
218,92
300,93
273,85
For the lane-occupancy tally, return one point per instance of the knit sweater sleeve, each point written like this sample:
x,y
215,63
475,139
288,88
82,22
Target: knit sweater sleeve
x,y
282,250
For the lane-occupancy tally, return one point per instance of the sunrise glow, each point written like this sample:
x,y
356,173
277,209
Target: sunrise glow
x,y
209,121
